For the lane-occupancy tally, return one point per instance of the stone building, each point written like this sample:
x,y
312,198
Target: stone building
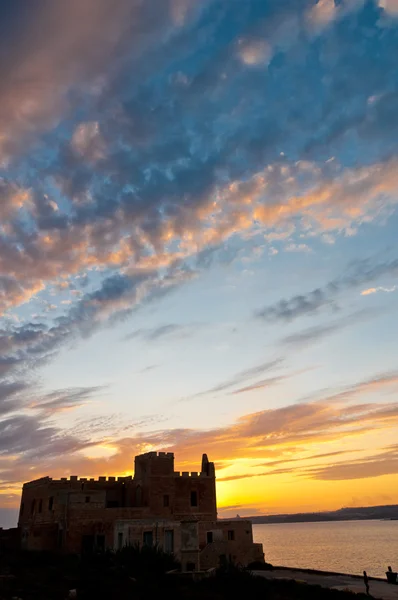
x,y
177,511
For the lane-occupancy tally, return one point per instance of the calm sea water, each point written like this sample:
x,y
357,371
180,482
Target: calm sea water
x,y
343,546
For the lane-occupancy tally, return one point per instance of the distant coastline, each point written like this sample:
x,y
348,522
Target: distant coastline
x,y
387,513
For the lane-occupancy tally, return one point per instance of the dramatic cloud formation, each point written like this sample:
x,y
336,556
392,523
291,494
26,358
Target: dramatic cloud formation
x,y
156,154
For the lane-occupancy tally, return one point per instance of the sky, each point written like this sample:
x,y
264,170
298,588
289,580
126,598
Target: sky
x,y
198,217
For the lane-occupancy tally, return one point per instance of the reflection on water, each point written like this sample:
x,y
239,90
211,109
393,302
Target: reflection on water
x,y
344,546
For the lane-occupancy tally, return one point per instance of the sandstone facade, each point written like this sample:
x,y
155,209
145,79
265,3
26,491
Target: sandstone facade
x,y
177,511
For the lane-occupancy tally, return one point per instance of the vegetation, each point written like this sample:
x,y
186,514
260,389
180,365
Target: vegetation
x,y
138,574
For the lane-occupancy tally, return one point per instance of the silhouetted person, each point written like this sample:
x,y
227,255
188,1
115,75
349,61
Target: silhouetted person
x,y
391,576
366,582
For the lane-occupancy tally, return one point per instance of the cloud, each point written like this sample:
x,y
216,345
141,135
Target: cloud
x,y
297,248
85,38
313,334
263,383
32,446
255,52
112,213
390,7
66,399
99,175
376,465
87,141
30,437
381,383
322,14
240,378
373,290
311,302
168,330
268,382
288,310
149,368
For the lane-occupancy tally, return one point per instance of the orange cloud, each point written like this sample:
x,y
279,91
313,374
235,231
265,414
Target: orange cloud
x,y
332,203
276,434
390,6
374,290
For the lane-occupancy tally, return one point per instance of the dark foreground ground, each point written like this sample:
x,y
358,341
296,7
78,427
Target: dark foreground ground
x,y
137,575
378,588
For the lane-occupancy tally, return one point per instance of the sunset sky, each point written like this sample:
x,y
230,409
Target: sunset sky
x,y
198,245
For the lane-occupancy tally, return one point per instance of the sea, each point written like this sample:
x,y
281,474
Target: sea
x,y
340,546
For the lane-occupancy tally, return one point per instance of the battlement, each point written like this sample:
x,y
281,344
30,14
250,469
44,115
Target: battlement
x,y
156,455
76,479
193,474
147,464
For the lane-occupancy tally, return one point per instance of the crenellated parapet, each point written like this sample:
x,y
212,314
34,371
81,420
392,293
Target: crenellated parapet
x,y
193,474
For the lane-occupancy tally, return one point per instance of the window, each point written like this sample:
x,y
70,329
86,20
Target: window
x,y
22,508
231,535
120,540
194,498
209,537
166,500
169,540
40,506
32,507
87,544
191,566
87,499
60,540
100,543
148,538
138,496
112,504
51,503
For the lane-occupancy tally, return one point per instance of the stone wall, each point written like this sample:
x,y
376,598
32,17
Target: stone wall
x,y
157,505
227,541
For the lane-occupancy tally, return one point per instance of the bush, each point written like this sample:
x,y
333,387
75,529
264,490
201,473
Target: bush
x,y
145,561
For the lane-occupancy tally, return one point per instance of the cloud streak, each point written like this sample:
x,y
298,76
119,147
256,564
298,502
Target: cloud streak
x,y
326,297
242,377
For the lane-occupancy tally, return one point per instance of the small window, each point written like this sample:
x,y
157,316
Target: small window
x,y
32,507
194,498
60,540
148,538
112,504
231,535
166,500
100,543
209,537
120,540
169,540
223,560
40,506
22,508
87,499
51,503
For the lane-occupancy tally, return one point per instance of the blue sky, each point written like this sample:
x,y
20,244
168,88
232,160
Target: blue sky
x,y
198,244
